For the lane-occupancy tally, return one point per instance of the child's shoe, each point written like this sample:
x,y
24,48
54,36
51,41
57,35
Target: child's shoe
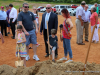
x,y
53,60
27,57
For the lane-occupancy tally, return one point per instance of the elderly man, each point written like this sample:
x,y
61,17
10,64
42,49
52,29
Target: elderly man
x,y
52,24
26,19
80,15
86,22
13,19
3,23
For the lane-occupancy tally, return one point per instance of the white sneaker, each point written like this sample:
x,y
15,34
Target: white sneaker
x,y
27,58
68,61
63,58
36,58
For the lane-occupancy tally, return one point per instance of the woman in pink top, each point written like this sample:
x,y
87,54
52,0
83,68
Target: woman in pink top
x,y
67,26
94,21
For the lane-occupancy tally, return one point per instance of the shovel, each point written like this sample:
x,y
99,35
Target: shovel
x,y
19,62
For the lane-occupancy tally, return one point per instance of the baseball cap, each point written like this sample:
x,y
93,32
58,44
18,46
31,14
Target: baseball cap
x,y
2,6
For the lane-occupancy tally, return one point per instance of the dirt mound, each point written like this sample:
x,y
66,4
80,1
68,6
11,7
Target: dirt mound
x,y
50,68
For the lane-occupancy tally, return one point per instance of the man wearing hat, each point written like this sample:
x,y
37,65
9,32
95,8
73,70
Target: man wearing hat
x,y
80,16
3,23
13,19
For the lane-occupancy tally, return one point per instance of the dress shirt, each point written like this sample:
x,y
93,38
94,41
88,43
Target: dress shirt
x,y
13,14
3,15
47,19
87,16
80,11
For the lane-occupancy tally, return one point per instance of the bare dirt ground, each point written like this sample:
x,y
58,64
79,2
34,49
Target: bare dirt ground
x,y
7,50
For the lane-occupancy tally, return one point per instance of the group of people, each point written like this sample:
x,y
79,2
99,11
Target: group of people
x,y
28,27
83,17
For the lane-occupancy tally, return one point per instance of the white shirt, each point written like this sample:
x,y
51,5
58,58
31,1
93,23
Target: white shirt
x,y
87,16
47,19
13,14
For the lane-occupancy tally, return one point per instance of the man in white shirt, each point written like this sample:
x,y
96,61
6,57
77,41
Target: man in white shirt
x,y
13,19
86,22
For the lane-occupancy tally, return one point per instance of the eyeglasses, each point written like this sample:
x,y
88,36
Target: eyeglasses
x,y
26,6
48,7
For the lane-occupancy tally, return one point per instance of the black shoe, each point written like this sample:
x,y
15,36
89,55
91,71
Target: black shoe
x,y
56,56
53,60
47,55
30,47
13,37
8,33
87,40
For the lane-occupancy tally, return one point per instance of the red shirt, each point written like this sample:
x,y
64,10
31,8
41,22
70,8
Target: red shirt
x,y
93,20
66,33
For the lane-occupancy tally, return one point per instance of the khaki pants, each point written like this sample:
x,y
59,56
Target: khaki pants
x,y
86,26
79,30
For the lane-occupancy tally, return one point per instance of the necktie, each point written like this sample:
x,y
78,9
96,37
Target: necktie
x,y
46,19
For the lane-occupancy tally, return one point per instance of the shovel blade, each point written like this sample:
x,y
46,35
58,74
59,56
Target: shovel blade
x,y
19,63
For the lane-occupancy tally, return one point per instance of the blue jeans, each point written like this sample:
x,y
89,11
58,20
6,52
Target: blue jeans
x,y
67,47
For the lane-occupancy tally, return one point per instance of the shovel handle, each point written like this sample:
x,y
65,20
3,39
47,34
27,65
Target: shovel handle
x,y
88,50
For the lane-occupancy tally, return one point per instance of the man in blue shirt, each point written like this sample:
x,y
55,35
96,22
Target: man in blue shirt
x,y
3,23
86,22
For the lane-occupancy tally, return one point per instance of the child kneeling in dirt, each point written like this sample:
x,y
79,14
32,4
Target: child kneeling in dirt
x,y
1,37
21,46
53,43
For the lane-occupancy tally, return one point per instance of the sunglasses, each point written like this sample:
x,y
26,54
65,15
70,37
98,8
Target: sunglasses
x,y
48,7
26,6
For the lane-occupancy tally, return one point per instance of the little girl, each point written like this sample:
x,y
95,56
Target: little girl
x,y
21,44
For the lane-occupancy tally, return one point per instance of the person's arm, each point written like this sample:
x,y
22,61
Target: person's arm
x,y
70,23
36,26
80,16
15,15
96,17
24,39
56,22
20,23
2,38
41,27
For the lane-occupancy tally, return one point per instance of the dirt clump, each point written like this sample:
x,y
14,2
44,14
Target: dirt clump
x,y
51,68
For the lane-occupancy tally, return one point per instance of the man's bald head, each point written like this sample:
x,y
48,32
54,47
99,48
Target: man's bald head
x,y
48,8
48,5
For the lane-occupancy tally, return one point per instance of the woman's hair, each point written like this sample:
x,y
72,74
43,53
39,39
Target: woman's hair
x,y
19,27
36,10
94,9
65,11
53,31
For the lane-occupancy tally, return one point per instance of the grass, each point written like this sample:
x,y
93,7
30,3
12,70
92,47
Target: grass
x,y
18,4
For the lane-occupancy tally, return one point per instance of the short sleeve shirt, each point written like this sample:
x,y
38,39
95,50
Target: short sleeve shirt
x,y
92,19
80,11
53,41
27,20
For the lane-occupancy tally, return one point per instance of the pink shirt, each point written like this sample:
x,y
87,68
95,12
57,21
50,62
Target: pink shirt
x,y
92,19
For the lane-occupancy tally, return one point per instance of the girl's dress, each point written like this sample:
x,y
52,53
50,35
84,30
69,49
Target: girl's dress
x,y
21,46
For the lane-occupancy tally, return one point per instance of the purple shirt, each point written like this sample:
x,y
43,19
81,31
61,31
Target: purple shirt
x,y
80,11
8,11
